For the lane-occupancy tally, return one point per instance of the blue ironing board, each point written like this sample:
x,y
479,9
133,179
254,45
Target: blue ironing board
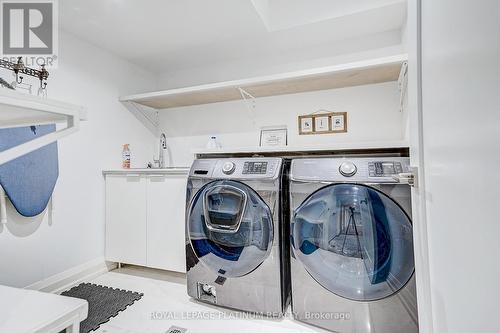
x,y
29,180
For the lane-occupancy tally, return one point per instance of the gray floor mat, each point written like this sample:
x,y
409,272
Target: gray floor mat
x,y
104,303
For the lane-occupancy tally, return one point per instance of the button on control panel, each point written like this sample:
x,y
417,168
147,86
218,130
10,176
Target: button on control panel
x,y
254,168
348,169
383,169
228,168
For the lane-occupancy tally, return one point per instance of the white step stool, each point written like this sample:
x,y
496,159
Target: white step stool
x,y
29,311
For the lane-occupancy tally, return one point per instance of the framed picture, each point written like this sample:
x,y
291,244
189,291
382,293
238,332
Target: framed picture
x,y
321,124
305,124
339,122
273,136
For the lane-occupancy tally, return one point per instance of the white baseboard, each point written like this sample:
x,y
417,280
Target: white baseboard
x,y
73,276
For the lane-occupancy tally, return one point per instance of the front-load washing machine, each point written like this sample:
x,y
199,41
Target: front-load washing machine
x,y
237,245
352,265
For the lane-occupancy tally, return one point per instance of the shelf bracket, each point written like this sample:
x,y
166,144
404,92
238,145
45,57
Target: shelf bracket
x,y
403,85
245,95
148,116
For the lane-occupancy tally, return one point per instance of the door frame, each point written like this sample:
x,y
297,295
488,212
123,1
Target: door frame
x,y
416,131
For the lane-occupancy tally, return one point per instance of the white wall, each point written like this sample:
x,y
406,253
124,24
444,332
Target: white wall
x,y
373,115
459,146
31,250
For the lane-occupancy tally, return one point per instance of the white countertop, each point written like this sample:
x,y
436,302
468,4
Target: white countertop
x,y
23,310
309,148
147,171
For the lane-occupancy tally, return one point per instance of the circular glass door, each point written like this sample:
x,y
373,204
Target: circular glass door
x,y
355,241
230,228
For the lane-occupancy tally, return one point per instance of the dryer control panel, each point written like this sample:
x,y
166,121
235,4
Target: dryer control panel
x,y
350,169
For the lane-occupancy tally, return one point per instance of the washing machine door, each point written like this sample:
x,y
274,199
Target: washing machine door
x,y
230,228
354,240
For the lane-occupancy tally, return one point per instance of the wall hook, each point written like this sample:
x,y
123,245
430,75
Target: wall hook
x,y
19,79
18,67
43,75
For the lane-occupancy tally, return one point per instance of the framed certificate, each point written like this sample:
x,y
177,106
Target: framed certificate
x,y
273,136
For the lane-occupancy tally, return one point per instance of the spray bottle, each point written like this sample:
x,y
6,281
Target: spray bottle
x,y
126,157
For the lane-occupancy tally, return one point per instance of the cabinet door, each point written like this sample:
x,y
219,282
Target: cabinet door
x,y
457,125
126,219
166,209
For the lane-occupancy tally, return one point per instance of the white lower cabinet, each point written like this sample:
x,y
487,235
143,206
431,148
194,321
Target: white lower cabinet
x,y
145,219
165,220
126,210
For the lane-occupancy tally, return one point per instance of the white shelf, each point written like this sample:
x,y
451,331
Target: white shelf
x,y
146,171
18,109
331,77
312,148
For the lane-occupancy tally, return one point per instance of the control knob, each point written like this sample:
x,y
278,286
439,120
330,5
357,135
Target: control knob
x,y
348,169
228,168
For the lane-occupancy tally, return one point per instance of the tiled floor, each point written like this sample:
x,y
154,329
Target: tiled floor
x,y
166,300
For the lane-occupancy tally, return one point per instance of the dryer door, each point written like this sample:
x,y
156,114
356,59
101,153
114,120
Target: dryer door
x,y
354,240
230,228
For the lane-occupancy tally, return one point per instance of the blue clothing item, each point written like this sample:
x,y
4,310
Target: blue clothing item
x,y
29,180
382,239
203,247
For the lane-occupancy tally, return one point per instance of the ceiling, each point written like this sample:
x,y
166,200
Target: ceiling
x,y
167,35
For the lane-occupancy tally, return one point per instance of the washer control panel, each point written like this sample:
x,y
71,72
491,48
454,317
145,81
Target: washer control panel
x,y
254,168
384,168
237,168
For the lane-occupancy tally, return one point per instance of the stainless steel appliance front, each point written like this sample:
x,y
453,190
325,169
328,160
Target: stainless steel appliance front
x,y
234,234
352,263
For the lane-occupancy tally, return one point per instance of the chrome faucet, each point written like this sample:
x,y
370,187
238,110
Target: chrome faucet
x,y
161,151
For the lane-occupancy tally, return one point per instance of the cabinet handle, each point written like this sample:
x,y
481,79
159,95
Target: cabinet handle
x,y
133,177
157,178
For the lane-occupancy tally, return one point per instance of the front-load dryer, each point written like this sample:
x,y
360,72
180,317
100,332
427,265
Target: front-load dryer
x,y
236,252
352,264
